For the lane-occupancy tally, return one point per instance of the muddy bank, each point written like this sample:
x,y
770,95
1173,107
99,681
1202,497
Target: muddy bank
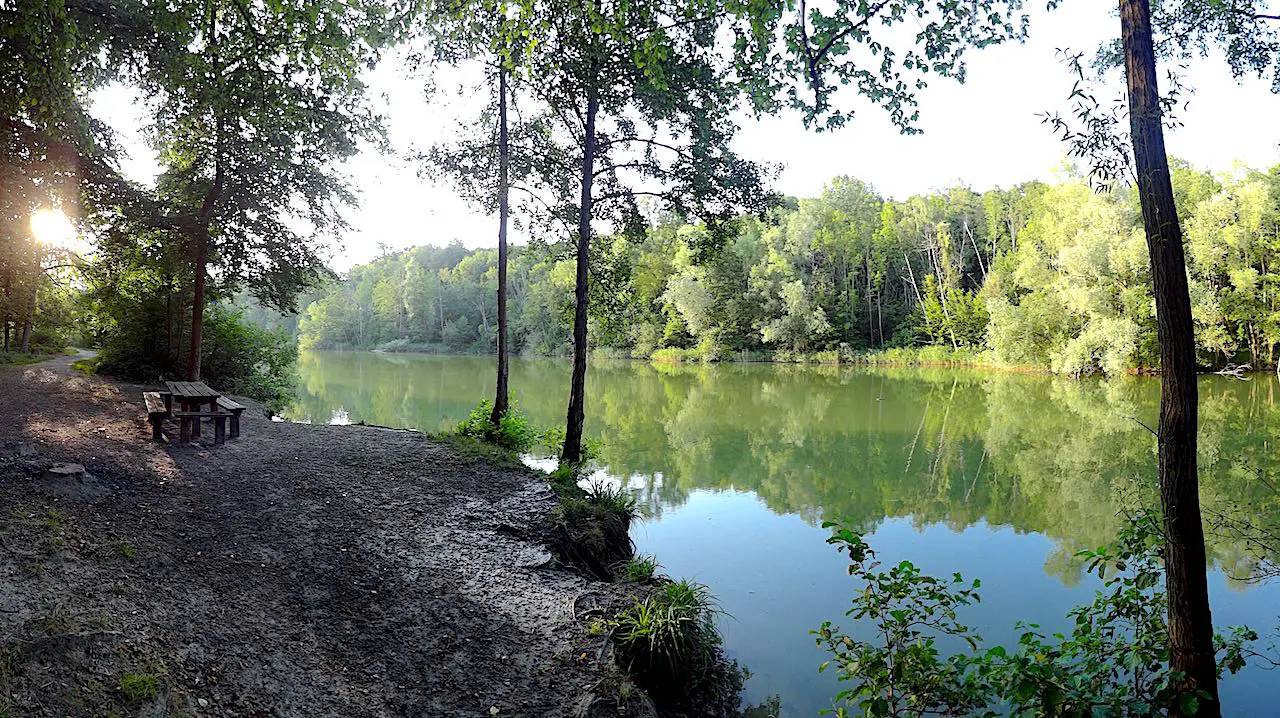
x,y
300,570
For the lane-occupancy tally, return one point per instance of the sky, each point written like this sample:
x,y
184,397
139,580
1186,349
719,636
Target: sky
x,y
985,133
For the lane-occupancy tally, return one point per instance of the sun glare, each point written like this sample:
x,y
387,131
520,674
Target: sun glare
x,y
52,228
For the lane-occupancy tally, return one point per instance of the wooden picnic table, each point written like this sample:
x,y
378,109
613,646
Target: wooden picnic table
x,y
190,395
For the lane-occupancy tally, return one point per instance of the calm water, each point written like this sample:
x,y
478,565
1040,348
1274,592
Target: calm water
x,y
999,476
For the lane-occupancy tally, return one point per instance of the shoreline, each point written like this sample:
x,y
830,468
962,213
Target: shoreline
x,y
859,360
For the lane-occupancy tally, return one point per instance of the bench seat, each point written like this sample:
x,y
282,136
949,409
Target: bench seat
x,y
156,413
236,409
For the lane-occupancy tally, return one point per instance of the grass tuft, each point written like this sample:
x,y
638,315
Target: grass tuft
x,y
513,431
593,528
665,640
639,569
139,687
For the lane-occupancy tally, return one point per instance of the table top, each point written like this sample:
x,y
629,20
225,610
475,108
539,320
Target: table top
x,y
191,390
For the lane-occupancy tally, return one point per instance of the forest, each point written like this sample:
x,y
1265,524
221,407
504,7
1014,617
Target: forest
x,y
1051,276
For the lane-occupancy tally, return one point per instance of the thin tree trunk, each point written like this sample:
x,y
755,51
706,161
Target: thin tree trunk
x,y
910,271
8,292
1190,621
197,306
871,330
168,319
500,397
976,252
37,275
572,452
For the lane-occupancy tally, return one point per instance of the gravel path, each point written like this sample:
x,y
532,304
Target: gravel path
x,y
300,570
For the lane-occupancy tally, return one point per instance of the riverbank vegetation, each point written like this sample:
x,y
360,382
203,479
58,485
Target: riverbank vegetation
x,y
924,660
1046,276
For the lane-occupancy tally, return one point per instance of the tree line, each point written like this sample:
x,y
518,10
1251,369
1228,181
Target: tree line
x,y
1046,275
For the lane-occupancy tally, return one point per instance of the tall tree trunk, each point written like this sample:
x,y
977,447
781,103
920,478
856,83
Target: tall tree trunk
x,y
500,396
8,293
1190,621
36,276
207,206
572,452
168,319
197,306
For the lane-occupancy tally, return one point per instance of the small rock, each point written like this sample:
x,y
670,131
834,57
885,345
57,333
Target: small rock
x,y
493,710
203,703
65,471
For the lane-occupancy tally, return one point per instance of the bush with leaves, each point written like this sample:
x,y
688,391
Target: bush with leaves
x,y
1115,662
244,359
513,431
1116,659
238,357
903,674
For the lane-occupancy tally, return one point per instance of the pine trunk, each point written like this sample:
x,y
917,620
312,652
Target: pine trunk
x,y
1190,621
572,452
500,397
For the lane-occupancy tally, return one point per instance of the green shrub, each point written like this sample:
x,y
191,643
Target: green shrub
x,y
513,432
1114,661
244,359
86,366
237,357
676,355
138,687
665,640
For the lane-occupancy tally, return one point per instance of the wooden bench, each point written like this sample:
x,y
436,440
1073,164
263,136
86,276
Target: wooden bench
x,y
189,419
226,404
156,413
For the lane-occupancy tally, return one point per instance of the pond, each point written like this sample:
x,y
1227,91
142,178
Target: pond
x,y
999,476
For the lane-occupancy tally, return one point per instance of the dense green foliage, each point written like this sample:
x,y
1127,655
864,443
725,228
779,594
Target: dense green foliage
x,y
923,660
513,431
1051,276
240,357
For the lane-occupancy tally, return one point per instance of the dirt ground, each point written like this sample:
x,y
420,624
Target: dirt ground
x,y
299,570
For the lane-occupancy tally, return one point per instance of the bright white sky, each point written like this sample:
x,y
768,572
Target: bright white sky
x,y
984,133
